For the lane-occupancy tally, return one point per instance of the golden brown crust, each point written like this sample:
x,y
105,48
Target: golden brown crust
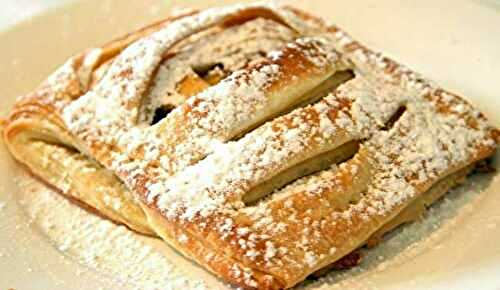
x,y
36,135
191,171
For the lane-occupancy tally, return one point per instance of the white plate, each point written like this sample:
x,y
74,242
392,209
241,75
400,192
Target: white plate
x,y
48,243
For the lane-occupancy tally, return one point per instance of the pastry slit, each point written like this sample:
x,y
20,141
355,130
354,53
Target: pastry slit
x,y
323,89
316,163
312,96
394,118
304,168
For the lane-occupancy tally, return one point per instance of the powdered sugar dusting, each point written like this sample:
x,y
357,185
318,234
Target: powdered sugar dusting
x,y
132,261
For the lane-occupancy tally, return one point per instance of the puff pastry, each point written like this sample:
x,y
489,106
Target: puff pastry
x,y
255,139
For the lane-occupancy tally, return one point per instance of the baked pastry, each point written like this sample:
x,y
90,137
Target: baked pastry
x,y
306,147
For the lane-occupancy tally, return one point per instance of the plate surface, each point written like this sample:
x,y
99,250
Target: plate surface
x,y
48,243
